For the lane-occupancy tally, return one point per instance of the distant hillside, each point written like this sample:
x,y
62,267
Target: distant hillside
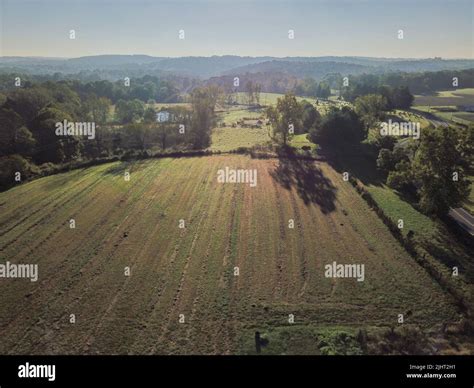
x,y
269,82
314,68
115,66
304,69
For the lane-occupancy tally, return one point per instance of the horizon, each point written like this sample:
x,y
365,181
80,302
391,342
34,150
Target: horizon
x,y
253,28
239,56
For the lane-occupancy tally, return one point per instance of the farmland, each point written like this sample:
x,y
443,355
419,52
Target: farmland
x,y
191,270
447,97
448,104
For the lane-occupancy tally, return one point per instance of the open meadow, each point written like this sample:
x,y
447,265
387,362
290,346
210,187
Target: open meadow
x,y
191,270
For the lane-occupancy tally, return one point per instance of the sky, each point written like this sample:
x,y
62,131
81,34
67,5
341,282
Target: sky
x,y
370,28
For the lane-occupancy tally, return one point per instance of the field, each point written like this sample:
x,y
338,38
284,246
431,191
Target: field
x,y
191,270
269,98
228,138
446,105
446,98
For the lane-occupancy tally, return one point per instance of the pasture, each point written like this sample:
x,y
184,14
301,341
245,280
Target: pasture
x,y
182,294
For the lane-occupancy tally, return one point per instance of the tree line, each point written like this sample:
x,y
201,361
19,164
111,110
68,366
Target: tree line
x,y
434,169
31,115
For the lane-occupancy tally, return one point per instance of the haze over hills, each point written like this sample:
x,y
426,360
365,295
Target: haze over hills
x,y
206,67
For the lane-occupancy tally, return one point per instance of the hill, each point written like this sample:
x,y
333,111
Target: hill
x,y
205,67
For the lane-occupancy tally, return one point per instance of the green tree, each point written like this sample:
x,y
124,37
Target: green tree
x,y
28,102
203,101
285,118
15,138
371,109
402,98
440,171
338,127
310,116
388,160
12,164
50,147
150,115
323,90
129,111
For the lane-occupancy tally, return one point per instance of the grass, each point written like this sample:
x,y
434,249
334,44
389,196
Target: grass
x,y
303,340
269,98
301,140
446,98
159,106
228,138
396,208
231,115
190,271
448,113
433,236
469,204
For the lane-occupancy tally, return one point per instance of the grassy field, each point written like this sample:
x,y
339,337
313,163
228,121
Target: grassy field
x,y
447,98
190,271
228,138
448,113
301,140
269,98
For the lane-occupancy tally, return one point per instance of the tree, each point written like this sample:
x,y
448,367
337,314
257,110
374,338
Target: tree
x,y
15,138
338,127
150,115
388,160
285,118
440,171
28,102
402,98
310,116
96,109
257,89
203,101
371,108
50,147
129,111
323,90
138,135
401,178
9,166
250,92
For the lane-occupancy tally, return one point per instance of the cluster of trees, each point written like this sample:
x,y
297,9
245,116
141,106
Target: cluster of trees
x,y
425,82
339,127
268,82
144,89
30,116
436,168
252,90
371,109
290,117
311,88
398,97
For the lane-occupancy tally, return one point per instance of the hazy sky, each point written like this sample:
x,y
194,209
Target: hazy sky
x,y
245,27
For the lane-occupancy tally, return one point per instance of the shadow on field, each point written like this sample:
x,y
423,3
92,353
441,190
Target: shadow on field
x,y
123,166
308,180
448,248
360,161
